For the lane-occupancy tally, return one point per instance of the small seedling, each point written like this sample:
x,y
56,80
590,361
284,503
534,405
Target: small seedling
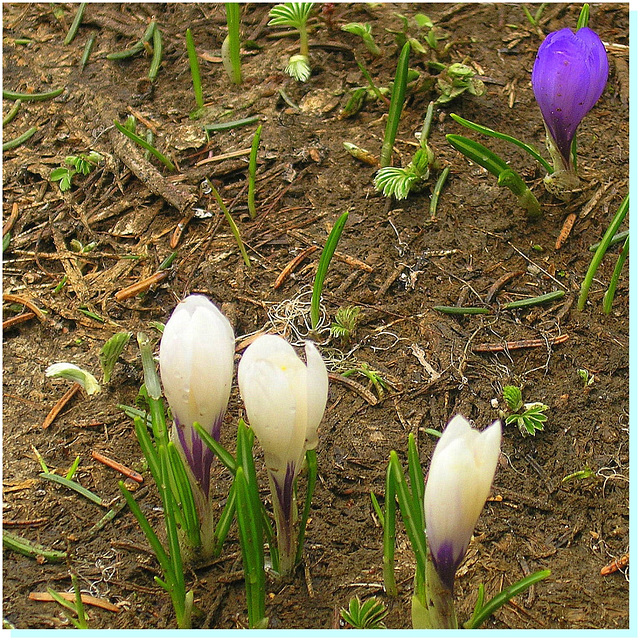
x,y
532,419
295,14
82,164
73,373
345,324
587,378
231,45
365,615
456,80
583,474
111,351
400,181
364,31
323,267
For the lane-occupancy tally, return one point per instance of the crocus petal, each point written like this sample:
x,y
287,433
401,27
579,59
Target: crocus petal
x,y
317,393
462,469
569,76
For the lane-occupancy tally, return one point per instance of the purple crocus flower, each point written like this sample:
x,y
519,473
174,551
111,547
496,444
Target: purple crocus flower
x,y
569,76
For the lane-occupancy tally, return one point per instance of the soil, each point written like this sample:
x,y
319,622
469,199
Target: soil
x,y
394,262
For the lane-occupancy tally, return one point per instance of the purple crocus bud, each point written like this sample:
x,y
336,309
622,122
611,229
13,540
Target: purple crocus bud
x,y
569,76
196,367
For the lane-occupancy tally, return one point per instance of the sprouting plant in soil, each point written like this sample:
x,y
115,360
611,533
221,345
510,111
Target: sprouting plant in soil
x,y
365,615
363,29
421,21
323,267
345,323
231,45
529,417
295,14
76,607
400,181
82,164
600,251
568,78
587,378
457,79
461,472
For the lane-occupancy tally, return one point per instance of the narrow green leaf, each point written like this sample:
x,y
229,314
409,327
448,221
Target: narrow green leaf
x,y
395,108
323,267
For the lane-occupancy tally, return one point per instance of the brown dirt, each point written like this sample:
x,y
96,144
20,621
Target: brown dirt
x,y
305,181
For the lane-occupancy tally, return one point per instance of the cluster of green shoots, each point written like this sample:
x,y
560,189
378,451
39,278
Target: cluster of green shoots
x,y
529,417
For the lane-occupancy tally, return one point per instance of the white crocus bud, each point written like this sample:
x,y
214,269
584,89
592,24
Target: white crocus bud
x,y
460,476
285,401
196,367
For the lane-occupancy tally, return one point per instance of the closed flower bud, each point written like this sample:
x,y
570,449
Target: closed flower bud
x,y
462,469
196,367
284,398
285,401
569,76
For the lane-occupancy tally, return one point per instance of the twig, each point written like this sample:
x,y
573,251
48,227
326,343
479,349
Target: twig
x,y
519,344
354,386
117,466
499,283
58,406
140,287
10,297
570,220
290,267
618,564
11,220
43,596
23,317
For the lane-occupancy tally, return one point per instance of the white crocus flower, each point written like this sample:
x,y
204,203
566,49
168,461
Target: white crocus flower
x,y
285,401
196,367
460,476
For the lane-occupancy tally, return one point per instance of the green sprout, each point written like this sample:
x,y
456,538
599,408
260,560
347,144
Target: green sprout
x,y
364,31
82,164
599,255
375,377
231,45
587,378
295,14
532,419
507,177
345,323
399,181
365,615
395,108
76,607
535,19
456,80
111,351
323,267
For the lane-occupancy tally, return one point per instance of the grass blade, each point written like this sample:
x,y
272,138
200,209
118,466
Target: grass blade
x,y
70,484
253,163
395,108
73,29
601,250
232,224
503,136
145,145
323,266
30,549
195,70
312,467
233,25
21,139
607,303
